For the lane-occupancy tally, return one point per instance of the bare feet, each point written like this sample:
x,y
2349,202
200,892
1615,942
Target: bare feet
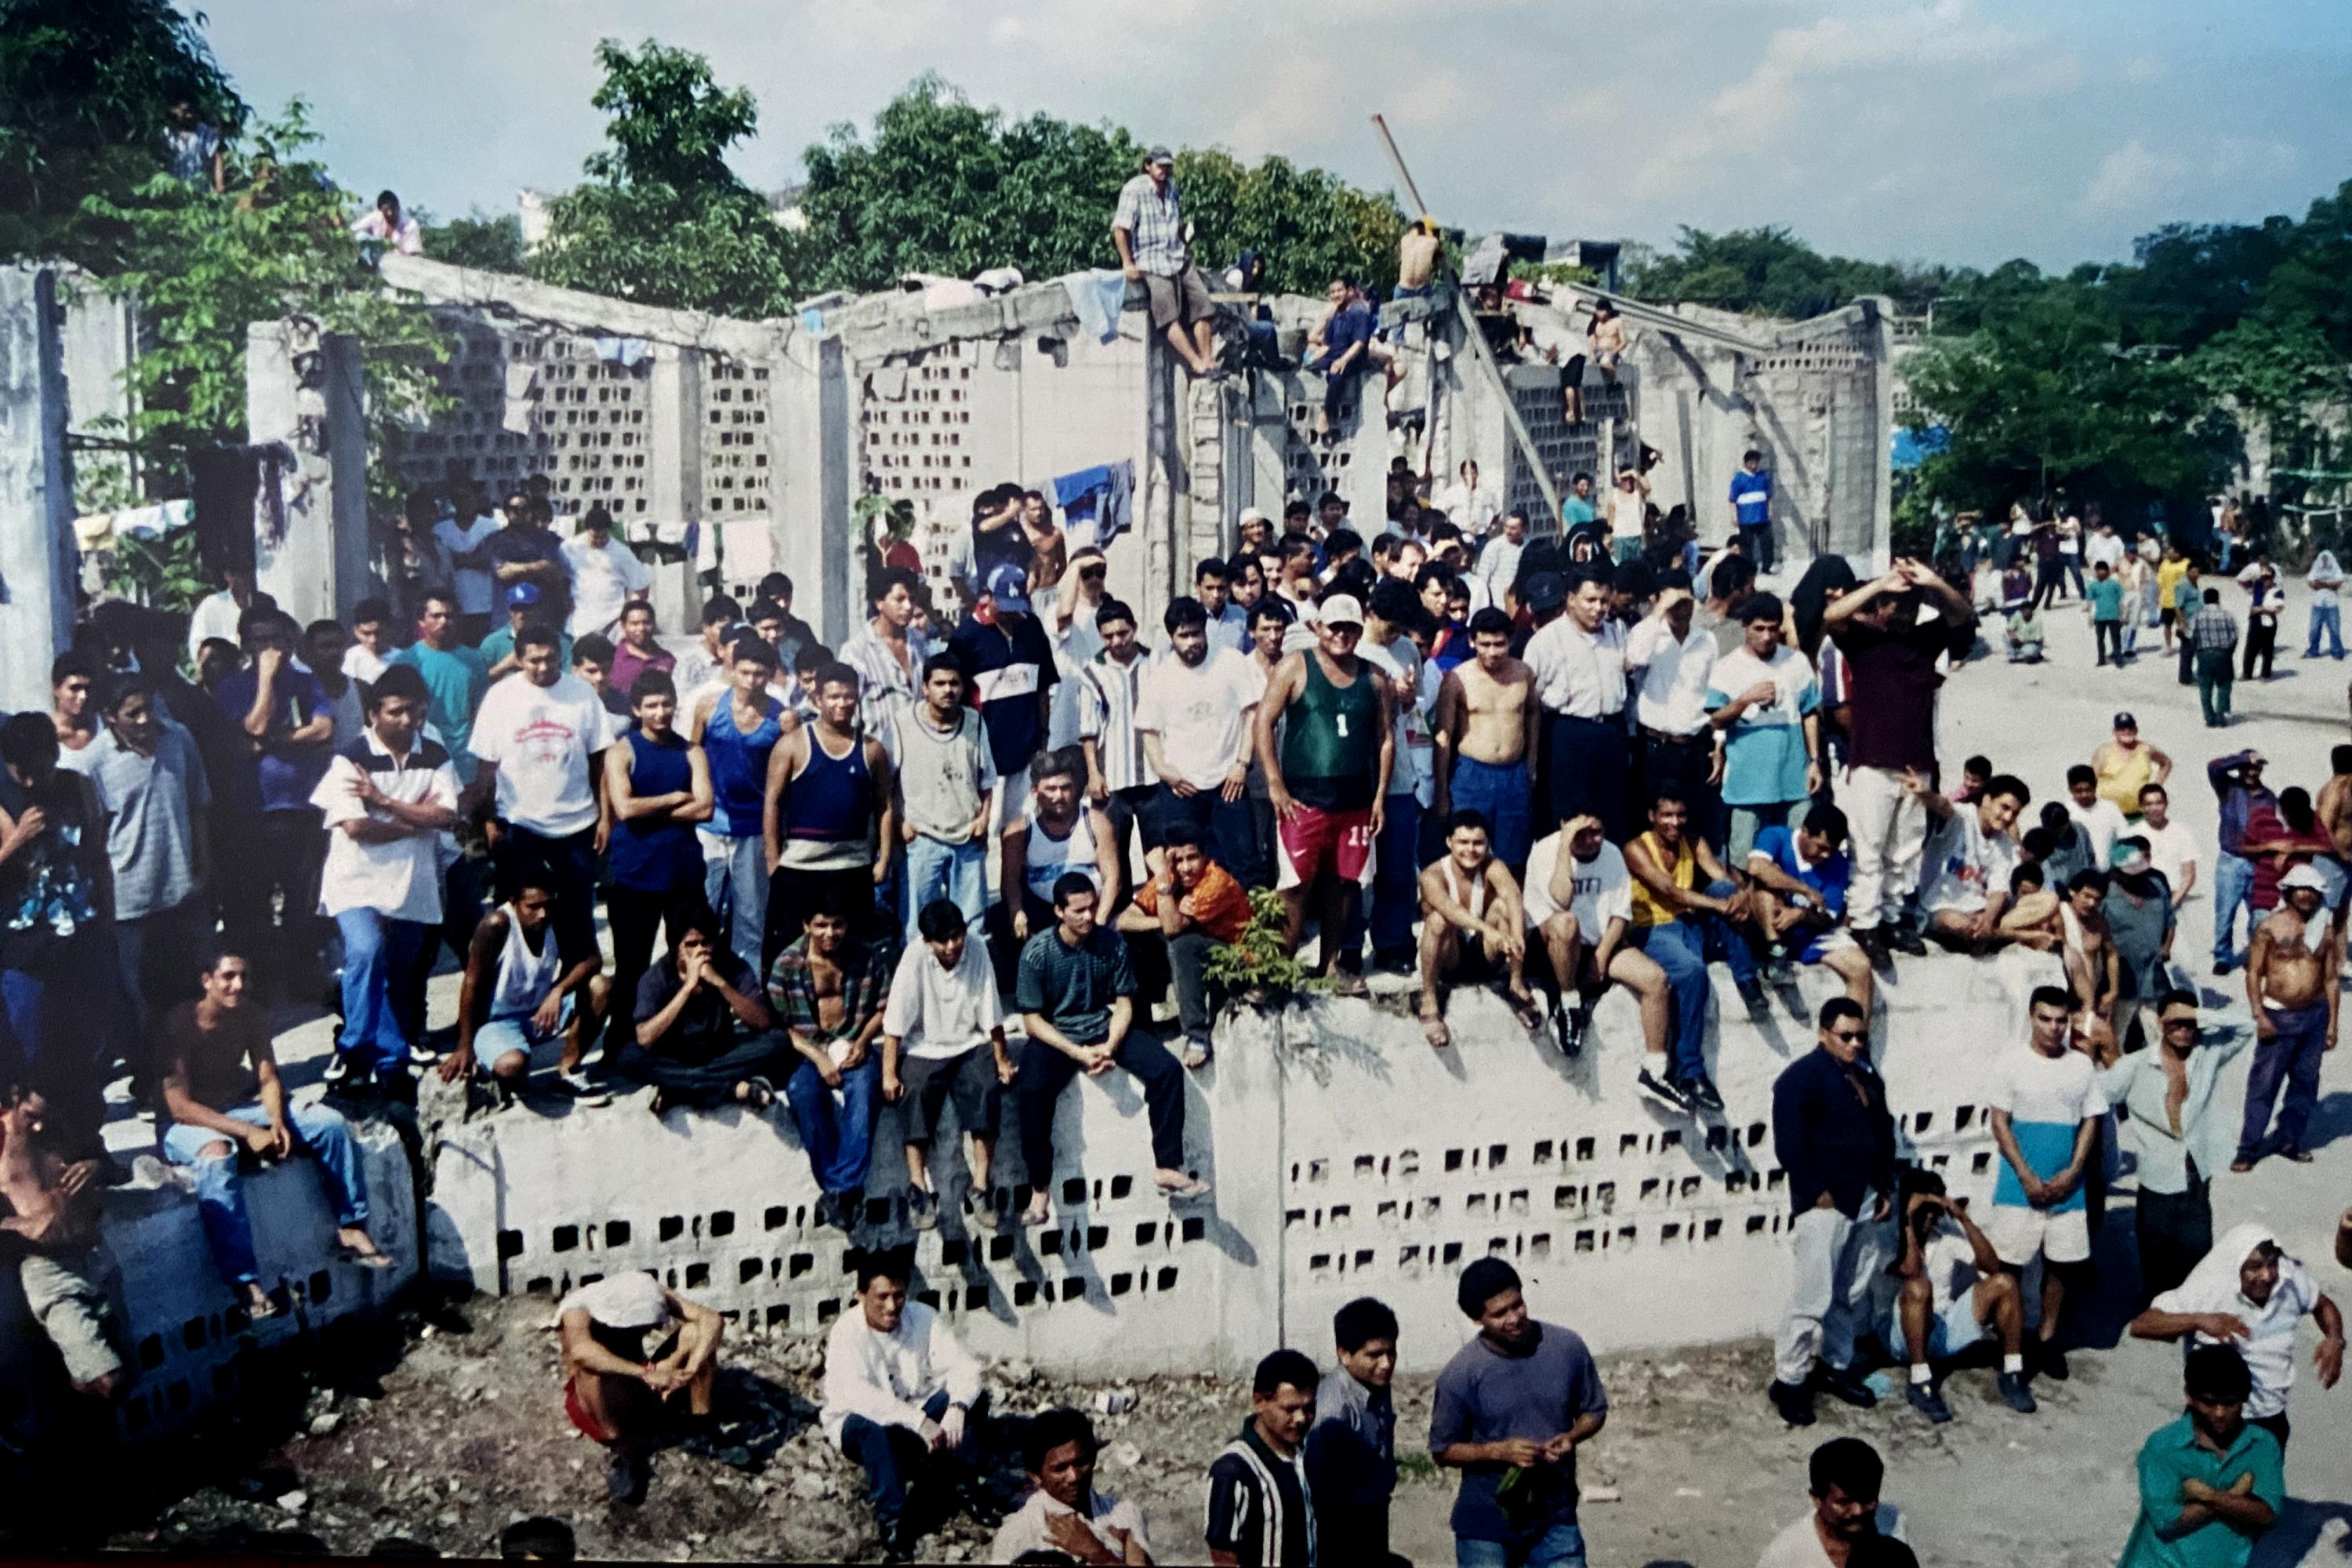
x,y
360,1248
1039,1211
257,1304
756,1092
1178,1184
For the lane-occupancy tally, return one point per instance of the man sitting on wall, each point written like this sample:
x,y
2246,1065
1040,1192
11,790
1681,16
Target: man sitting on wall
x,y
1191,903
1581,904
826,989
615,1391
50,1225
521,1007
705,1035
1473,926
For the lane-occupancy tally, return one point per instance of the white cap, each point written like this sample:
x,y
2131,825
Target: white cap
x,y
2303,876
1342,610
630,1300
1252,514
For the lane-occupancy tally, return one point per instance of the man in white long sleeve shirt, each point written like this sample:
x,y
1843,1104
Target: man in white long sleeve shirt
x,y
903,1398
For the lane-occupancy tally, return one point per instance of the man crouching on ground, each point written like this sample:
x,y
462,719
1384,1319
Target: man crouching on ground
x,y
616,1393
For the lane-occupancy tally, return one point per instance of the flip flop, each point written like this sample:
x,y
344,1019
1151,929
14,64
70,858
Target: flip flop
x,y
1190,1187
365,1259
1353,985
1195,1057
1526,1010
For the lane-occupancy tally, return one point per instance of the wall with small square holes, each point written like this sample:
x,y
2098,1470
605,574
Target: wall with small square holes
x,y
1348,1158
185,1332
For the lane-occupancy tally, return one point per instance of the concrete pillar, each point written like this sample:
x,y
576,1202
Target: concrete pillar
x,y
36,550
812,462
676,432
302,388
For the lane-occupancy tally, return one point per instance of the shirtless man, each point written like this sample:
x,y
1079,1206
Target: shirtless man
x,y
221,1088
2295,983
617,1388
2334,809
1581,904
2093,970
52,1213
1472,925
1484,726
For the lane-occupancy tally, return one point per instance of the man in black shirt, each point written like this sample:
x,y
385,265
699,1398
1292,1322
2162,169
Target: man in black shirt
x,y
705,1034
1261,1509
1833,1137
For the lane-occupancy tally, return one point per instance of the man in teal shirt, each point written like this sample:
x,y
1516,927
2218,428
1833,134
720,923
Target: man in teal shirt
x,y
2209,1483
454,676
2107,596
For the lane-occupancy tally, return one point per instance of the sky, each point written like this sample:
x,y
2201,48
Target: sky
x,y
1967,132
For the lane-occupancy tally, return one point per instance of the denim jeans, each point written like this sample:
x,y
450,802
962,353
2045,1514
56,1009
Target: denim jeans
x,y
2234,884
956,872
1396,878
837,1134
220,1186
2327,615
378,954
894,1455
1683,949
1228,828
735,882
2213,683
1562,1546
2291,1058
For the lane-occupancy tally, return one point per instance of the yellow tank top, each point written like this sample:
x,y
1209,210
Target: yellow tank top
x,y
2121,774
1647,909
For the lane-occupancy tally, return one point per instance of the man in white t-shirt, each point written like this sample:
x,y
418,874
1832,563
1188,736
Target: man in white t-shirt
x,y
2047,1108
605,575
2171,847
2249,1294
1964,875
2102,821
469,564
943,1007
1063,1513
1848,1525
1195,715
370,654
537,741
1581,906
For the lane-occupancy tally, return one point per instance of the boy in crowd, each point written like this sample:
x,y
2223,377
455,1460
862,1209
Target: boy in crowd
x,y
522,1006
943,1008
1968,863
1797,877
1687,911
826,989
1190,902
1581,904
1351,1448
1261,1503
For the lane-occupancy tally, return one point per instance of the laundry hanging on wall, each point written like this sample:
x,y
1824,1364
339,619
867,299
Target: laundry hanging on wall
x,y
1098,503
238,490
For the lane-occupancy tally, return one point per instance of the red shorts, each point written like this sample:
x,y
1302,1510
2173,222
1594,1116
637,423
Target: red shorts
x,y
579,1414
1316,841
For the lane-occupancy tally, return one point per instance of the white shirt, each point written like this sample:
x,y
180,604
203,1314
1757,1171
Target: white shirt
x,y
1963,866
1949,1263
1578,673
1474,512
362,664
470,584
887,1377
2269,1347
401,877
1200,712
937,1012
1672,696
1628,511
540,737
2103,823
2059,1090
602,581
215,616
1025,1529
1414,771
2106,547
2171,849
1800,1546
1604,892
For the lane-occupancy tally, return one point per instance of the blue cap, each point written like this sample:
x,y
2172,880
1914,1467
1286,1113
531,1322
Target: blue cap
x,y
523,593
1009,586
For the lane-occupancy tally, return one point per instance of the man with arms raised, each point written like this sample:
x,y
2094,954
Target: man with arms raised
x,y
1486,730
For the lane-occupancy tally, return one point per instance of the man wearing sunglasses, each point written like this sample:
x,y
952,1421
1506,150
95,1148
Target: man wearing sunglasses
x,y
2180,1136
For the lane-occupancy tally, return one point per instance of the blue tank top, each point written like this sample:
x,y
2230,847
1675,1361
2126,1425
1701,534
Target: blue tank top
x,y
739,764
656,854
832,801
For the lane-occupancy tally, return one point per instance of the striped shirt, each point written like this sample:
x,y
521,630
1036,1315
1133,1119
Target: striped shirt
x,y
2213,628
1154,225
1261,1508
880,679
1107,694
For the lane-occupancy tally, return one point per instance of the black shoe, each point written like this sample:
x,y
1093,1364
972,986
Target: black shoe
x,y
1929,1401
1844,1383
1908,942
627,1477
1700,1090
1666,1094
1794,1404
2015,1394
1751,996
1874,945
2051,1361
2221,970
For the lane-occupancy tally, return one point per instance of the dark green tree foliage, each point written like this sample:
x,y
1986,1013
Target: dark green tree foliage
x,y
491,243
1309,225
86,91
1768,271
661,218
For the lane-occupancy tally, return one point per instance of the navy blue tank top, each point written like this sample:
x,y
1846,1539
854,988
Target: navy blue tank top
x,y
649,854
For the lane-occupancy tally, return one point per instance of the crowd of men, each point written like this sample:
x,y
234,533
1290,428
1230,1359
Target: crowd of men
x,y
1464,754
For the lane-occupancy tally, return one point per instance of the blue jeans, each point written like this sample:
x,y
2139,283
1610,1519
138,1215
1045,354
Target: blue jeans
x,y
736,885
1562,1546
378,954
1683,949
2234,884
838,1136
2326,615
2291,1058
1396,885
893,1455
220,1186
956,872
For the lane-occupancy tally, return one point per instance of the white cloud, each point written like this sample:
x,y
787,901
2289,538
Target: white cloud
x,y
2131,177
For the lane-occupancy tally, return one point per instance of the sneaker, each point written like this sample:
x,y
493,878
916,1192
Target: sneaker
x,y
1873,944
421,1055
584,1090
1751,995
922,1209
1908,942
625,1478
1700,1090
2015,1394
338,1070
1794,1404
1664,1093
2220,970
2051,1361
1844,1383
1781,972
1929,1402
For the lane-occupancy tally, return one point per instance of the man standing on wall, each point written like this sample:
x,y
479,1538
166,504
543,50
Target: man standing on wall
x,y
1751,509
1579,663
2047,1108
1833,1135
1484,734
1148,229
1006,657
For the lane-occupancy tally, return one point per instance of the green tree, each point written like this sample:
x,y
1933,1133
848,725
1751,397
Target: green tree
x,y
661,218
86,92
477,239
1768,271
1309,225
203,266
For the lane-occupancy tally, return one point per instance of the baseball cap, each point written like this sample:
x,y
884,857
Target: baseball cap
x,y
2303,876
1340,610
523,594
2124,722
1546,590
1009,586
1159,155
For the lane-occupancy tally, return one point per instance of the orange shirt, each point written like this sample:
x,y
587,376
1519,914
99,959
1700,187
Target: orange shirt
x,y
1220,908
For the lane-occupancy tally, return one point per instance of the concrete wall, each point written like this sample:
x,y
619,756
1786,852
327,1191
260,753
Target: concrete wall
x,y
1347,1157
304,391
36,550
185,1332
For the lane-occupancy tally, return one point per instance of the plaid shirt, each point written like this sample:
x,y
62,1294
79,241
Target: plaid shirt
x,y
1154,225
2214,627
865,972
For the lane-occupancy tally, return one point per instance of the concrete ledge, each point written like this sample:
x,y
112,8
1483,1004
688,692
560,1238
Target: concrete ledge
x,y
1348,1159
184,1330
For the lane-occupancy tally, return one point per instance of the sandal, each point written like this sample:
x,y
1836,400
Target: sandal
x,y
1197,1054
1434,1030
1526,1010
1344,984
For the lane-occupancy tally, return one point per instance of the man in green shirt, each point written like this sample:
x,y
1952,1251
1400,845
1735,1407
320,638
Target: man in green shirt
x,y
2209,1483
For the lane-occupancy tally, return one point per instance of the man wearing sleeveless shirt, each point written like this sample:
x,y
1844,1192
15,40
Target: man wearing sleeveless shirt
x,y
657,790
736,729
1058,831
519,997
828,807
1330,779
